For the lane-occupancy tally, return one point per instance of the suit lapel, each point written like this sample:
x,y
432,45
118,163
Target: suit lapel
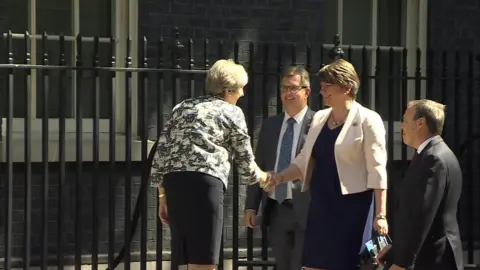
x,y
348,122
318,122
415,166
277,126
419,157
429,145
307,120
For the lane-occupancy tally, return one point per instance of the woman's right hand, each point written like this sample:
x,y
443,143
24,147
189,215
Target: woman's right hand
x,y
162,210
266,181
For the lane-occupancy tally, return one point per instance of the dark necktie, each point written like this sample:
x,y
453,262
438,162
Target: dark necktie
x,y
284,159
415,155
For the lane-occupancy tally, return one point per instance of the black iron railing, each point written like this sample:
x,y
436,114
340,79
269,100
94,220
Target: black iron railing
x,y
69,183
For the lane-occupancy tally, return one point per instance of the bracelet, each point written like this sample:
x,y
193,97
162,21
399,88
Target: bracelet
x,y
381,216
161,195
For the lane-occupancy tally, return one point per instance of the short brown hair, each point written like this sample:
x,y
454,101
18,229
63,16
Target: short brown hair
x,y
341,72
433,112
297,70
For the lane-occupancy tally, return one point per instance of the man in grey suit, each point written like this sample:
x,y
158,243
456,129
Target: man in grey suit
x,y
281,138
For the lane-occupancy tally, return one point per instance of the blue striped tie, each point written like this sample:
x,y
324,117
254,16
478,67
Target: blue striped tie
x,y
284,159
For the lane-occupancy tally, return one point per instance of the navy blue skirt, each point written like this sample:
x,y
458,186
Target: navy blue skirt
x,y
338,225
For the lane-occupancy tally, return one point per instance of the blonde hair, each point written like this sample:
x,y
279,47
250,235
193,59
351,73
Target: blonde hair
x,y
341,72
297,70
433,112
225,75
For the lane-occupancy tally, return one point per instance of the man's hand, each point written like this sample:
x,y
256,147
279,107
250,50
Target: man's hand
x,y
396,267
250,217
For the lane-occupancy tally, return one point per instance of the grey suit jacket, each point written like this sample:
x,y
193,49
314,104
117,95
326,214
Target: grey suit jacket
x,y
265,156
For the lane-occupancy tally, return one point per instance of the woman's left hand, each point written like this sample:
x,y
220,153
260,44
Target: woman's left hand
x,y
381,225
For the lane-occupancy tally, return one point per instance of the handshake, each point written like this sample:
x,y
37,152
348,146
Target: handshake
x,y
269,180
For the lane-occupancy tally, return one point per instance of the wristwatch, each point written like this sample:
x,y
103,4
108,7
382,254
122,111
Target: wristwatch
x,y
381,216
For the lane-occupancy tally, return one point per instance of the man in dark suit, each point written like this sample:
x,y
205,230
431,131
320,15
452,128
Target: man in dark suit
x,y
425,230
281,138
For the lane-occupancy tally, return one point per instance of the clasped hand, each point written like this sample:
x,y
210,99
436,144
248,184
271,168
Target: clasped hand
x,y
270,181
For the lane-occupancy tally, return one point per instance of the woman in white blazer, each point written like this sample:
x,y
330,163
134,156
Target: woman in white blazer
x,y
343,166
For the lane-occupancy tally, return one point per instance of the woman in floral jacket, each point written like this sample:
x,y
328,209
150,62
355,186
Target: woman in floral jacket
x,y
191,172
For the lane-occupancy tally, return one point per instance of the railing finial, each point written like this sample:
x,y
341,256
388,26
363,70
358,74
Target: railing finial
x,y
336,52
177,49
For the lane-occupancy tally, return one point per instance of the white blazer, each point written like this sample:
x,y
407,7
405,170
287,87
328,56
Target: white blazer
x,y
360,151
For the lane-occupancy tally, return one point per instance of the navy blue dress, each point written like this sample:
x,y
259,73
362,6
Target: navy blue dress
x,y
338,225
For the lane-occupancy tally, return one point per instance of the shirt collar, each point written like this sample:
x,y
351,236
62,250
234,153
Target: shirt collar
x,y
424,144
298,117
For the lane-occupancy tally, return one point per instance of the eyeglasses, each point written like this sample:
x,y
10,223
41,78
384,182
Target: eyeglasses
x,y
291,88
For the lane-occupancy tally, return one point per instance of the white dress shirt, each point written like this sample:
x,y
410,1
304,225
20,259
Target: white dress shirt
x,y
297,126
424,144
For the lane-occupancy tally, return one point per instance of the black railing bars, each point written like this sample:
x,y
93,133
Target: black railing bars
x,y
79,118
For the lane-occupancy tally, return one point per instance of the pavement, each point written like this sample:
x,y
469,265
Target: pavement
x,y
227,265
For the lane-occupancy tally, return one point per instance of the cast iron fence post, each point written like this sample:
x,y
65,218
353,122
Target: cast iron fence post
x,y
336,52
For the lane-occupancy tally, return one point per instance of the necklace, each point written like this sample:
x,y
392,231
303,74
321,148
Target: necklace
x,y
337,123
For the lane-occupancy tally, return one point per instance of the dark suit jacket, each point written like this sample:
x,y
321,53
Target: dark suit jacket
x,y
425,229
266,155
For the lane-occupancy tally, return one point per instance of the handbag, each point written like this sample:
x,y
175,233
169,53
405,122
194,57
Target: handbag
x,y
367,257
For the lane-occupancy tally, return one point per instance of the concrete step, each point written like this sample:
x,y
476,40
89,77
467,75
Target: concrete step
x,y
227,264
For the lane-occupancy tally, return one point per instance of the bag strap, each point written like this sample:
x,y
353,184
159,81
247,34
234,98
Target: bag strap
x,y
151,155
138,206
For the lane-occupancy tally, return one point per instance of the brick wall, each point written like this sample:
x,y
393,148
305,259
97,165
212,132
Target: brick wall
x,y
247,20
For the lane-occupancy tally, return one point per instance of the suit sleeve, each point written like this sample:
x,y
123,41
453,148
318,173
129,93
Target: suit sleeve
x,y
374,147
255,192
418,205
301,159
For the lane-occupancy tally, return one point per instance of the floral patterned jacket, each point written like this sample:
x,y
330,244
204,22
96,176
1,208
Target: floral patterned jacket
x,y
204,134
